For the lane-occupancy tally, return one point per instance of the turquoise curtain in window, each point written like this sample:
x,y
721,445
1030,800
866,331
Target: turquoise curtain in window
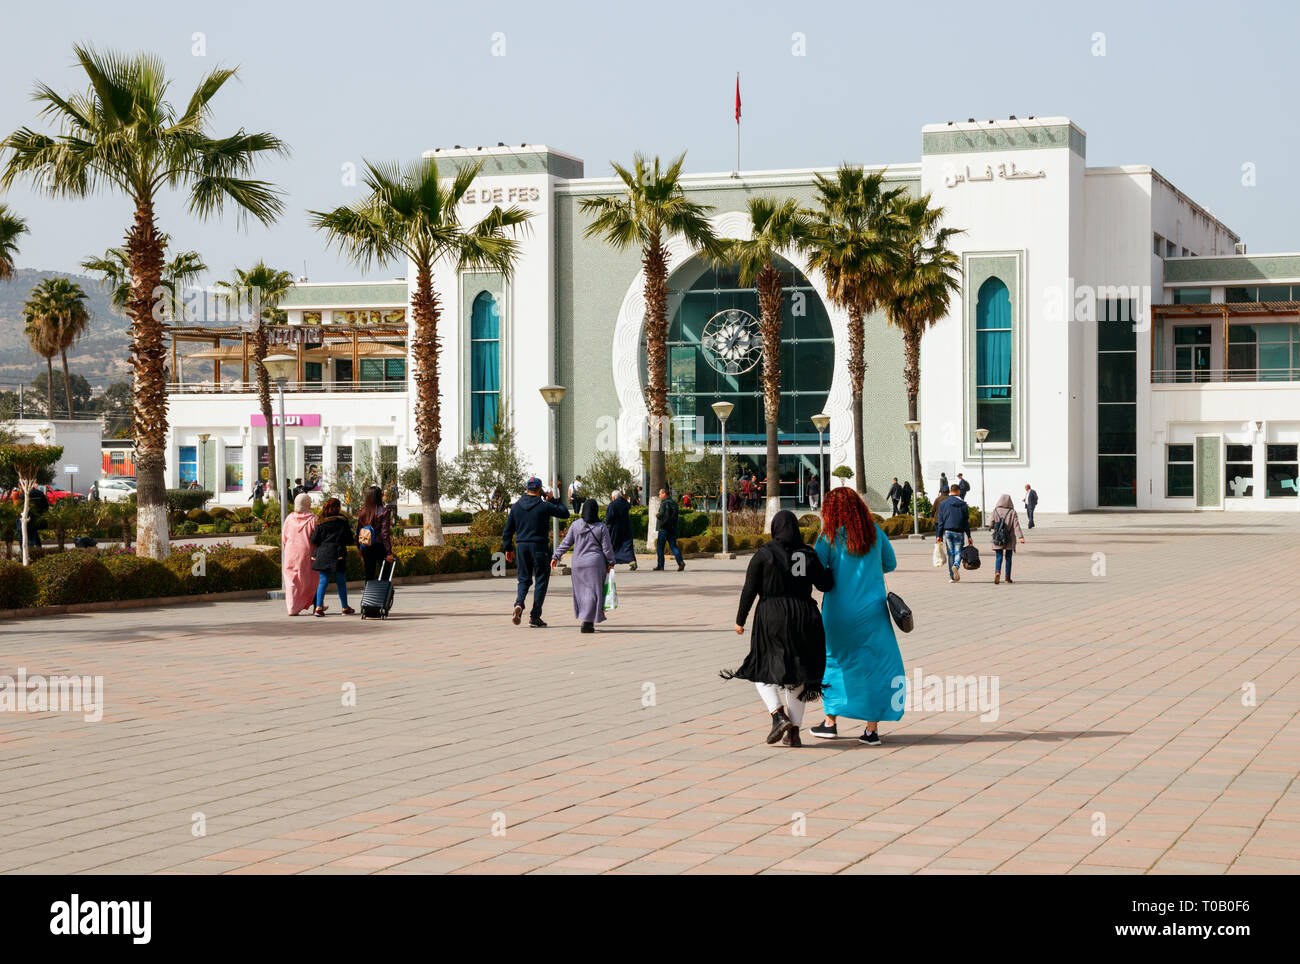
x,y
993,340
485,366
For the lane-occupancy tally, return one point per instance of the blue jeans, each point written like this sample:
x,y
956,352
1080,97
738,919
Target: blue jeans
x,y
953,541
671,539
997,560
340,577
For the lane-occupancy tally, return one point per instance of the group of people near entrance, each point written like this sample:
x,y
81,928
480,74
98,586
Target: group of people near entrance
x,y
314,549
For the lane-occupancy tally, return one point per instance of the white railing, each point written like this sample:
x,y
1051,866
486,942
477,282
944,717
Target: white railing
x,y
240,388
1179,376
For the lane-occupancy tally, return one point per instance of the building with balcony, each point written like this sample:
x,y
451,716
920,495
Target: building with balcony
x,y
1108,338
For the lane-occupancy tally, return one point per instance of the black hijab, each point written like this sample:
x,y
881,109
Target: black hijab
x,y
590,514
785,530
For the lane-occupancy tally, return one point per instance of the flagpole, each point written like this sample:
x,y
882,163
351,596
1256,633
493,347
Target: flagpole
x,y
736,173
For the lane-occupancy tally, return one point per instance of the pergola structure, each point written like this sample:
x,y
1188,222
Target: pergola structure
x,y
1225,312
238,345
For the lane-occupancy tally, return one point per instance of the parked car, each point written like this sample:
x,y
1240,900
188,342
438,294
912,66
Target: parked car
x,y
55,495
116,489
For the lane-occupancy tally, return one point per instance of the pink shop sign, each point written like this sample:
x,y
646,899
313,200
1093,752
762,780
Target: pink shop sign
x,y
259,421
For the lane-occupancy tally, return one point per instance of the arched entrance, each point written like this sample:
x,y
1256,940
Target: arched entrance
x,y
696,378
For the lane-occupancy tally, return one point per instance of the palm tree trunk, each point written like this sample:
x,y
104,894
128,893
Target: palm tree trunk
x,y
49,385
428,401
857,377
912,381
144,249
769,309
655,263
67,384
264,400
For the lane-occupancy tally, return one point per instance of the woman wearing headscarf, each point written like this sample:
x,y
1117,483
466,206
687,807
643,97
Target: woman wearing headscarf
x,y
864,668
332,537
295,556
1005,525
787,646
619,523
593,558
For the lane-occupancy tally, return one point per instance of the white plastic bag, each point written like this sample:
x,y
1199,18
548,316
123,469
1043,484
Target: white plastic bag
x,y
611,593
940,557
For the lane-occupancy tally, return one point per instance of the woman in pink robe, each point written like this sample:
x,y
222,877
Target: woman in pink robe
x,y
296,551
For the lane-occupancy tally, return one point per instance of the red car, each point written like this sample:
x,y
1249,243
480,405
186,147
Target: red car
x,y
54,495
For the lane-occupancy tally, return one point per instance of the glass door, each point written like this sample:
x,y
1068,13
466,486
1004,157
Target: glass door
x,y
1192,353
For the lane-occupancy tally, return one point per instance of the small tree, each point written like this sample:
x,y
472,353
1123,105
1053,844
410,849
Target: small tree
x,y
474,476
27,462
607,473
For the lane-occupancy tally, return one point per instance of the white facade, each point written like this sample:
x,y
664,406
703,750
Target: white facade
x,y
80,440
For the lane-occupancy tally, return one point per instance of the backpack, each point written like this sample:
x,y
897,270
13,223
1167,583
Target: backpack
x,y
970,557
1002,531
366,537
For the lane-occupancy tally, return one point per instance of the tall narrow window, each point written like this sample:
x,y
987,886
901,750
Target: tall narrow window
x,y
485,368
993,360
1117,408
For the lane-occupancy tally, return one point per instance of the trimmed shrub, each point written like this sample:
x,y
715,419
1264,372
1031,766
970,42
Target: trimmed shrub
x,y
688,545
877,519
900,526
182,500
220,512
199,516
222,526
247,568
974,517
274,555
488,524
417,518
810,520
242,514
453,518
139,578
268,536
412,561
75,576
18,589
213,577
187,529
639,516
692,524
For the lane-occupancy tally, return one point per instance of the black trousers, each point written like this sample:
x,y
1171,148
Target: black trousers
x,y
532,568
372,558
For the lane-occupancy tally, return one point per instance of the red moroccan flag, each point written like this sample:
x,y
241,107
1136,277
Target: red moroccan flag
x,y
737,98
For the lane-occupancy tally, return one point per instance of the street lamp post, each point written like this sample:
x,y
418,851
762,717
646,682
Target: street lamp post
x,y
820,422
279,367
723,411
912,428
553,395
203,458
980,435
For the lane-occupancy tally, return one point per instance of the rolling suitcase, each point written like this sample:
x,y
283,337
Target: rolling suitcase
x,y
377,596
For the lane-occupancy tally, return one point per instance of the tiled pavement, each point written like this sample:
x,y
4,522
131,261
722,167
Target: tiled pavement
x,y
1121,701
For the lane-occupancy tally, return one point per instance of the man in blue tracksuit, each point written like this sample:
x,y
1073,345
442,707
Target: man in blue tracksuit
x,y
528,531
951,522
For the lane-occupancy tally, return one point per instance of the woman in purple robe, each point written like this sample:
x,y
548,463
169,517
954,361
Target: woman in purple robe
x,y
593,558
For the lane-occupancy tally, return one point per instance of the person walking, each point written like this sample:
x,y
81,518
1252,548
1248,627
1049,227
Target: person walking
x,y
528,530
300,581
1005,527
962,485
593,560
864,667
943,484
894,494
814,491
787,644
575,494
619,523
905,498
666,523
374,531
331,538
1031,503
93,494
951,522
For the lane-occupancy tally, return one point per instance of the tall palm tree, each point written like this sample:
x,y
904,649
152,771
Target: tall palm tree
x,y
264,287
924,284
412,213
124,135
652,208
853,246
779,226
56,317
114,272
40,333
11,226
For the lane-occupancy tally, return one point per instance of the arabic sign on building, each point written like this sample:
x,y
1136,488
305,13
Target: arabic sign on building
x,y
259,421
952,175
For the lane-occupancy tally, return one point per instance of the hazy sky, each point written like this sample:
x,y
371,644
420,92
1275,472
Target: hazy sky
x,y
1194,89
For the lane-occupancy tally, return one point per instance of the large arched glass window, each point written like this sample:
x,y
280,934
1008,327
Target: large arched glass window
x,y
697,293
484,367
993,360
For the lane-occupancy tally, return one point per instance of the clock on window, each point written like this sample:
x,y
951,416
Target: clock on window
x,y
731,341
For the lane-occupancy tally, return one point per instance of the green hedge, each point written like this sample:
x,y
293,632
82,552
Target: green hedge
x,y
74,576
139,578
900,526
488,525
18,588
182,500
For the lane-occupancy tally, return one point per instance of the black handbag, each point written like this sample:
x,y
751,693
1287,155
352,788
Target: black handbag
x,y
900,611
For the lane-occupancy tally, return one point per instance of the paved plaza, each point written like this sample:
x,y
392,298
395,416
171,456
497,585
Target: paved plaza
x,y
1123,742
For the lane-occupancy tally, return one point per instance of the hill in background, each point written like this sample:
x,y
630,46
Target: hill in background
x,y
101,357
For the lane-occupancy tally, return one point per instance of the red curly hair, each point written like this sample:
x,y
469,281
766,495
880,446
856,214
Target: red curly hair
x,y
844,511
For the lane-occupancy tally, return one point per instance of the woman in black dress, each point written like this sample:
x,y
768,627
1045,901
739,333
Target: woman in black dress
x,y
787,647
